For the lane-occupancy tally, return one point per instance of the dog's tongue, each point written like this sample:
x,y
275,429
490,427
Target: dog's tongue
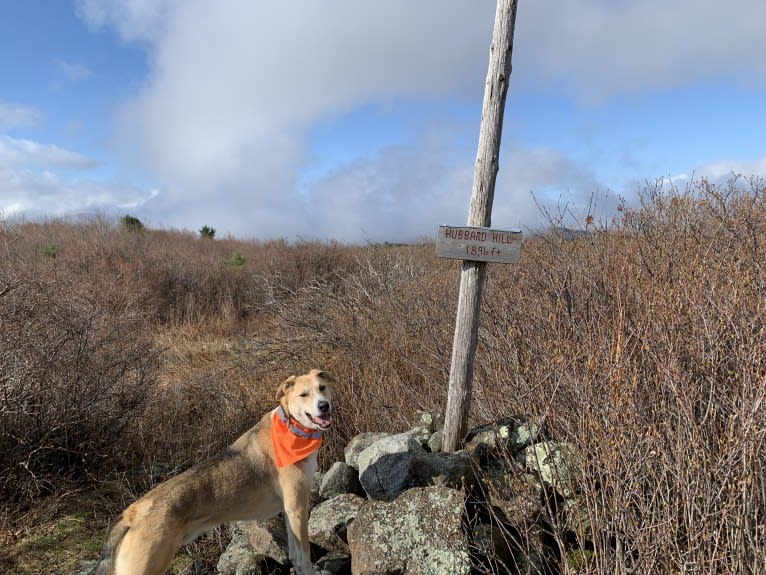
x,y
323,421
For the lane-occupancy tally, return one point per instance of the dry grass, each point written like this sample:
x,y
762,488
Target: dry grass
x,y
126,356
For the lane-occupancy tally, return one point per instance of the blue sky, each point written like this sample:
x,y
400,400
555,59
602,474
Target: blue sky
x,y
358,120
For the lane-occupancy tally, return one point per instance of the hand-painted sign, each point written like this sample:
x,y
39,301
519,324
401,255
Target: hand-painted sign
x,y
479,244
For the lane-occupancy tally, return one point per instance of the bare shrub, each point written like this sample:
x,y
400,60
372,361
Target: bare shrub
x,y
640,343
73,375
643,345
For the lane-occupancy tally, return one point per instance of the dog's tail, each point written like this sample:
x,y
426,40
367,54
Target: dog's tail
x,y
114,537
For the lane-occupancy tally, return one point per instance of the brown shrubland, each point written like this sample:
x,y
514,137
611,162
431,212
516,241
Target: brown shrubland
x,y
127,355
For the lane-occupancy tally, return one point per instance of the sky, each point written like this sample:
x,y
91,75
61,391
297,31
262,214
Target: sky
x,y
357,120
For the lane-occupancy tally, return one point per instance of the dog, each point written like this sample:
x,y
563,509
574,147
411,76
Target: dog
x,y
267,470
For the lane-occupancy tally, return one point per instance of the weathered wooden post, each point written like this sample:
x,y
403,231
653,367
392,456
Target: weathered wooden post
x,y
480,215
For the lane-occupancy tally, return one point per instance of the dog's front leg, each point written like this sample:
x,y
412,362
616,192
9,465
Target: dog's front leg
x,y
296,517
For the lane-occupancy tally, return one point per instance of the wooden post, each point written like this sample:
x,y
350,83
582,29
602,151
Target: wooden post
x,y
480,214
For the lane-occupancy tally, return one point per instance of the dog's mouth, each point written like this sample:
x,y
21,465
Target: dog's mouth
x,y
322,421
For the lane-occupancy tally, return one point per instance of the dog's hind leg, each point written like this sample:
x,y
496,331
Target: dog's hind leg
x,y
146,553
113,539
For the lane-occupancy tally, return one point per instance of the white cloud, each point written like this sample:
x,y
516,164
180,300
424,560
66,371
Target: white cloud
x,y
72,70
723,170
236,87
13,115
404,194
35,181
20,152
595,49
141,20
44,193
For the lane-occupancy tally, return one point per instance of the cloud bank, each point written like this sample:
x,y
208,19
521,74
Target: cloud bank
x,y
225,118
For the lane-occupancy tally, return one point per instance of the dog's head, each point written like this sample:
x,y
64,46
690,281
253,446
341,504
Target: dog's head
x,y
308,398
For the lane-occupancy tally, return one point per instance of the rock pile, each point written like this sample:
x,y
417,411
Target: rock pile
x,y
397,504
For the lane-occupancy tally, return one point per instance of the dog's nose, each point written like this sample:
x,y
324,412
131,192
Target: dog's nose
x,y
323,406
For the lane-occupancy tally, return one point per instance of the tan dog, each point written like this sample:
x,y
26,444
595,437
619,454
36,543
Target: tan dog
x,y
267,470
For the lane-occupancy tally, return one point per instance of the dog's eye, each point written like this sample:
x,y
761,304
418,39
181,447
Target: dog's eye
x,y
321,388
305,394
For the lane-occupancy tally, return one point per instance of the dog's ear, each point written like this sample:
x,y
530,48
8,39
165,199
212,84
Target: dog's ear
x,y
284,386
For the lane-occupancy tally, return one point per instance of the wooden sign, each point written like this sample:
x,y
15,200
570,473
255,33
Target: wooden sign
x,y
479,244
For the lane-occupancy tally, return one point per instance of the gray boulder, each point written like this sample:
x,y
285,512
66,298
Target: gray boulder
x,y
436,441
427,423
507,435
334,563
384,466
239,558
445,469
554,463
358,444
419,533
340,478
330,519
516,494
251,543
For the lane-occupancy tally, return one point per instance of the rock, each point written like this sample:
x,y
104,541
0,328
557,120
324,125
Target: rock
x,y
426,424
384,466
435,441
517,495
419,533
251,542
268,538
505,436
330,520
430,420
238,558
553,462
334,564
494,545
531,555
340,478
577,519
446,469
358,444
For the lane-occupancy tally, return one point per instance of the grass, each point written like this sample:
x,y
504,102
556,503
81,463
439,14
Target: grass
x,y
128,356
54,535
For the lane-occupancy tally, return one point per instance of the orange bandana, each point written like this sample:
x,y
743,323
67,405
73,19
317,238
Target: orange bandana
x,y
291,441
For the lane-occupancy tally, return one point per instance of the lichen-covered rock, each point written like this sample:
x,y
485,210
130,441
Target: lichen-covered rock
x,y
506,435
358,444
419,533
330,519
251,542
554,463
426,424
340,478
436,441
430,420
577,519
334,563
385,465
517,495
239,557
446,469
